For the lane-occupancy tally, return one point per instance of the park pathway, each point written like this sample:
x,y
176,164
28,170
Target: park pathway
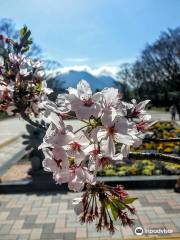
x,y
163,116
51,216
10,142
11,128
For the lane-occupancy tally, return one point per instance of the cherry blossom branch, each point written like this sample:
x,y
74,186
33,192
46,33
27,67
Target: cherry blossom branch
x,y
73,158
80,129
30,121
68,116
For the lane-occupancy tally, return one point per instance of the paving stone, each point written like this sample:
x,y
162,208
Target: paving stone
x,y
36,233
37,204
3,206
73,224
60,223
177,221
48,228
4,215
18,224
8,237
5,228
98,234
21,231
23,237
151,214
157,220
56,199
30,219
31,225
52,236
15,212
69,235
117,235
70,206
172,227
81,232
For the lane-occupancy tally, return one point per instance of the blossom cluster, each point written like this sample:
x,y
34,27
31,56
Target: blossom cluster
x,y
75,156
21,79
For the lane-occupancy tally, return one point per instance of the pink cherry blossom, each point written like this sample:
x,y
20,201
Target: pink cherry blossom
x,y
110,98
56,160
79,148
83,102
76,157
112,132
78,177
59,134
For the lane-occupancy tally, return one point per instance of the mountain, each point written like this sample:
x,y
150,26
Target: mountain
x,y
70,78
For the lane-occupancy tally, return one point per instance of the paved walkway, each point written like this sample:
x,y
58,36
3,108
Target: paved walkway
x,y
163,116
10,140
51,216
8,152
10,128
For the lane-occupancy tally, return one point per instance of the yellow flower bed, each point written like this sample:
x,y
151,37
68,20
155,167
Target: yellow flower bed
x,y
146,167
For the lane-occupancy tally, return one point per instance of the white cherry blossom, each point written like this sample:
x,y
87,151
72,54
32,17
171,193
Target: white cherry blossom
x,y
77,156
78,205
83,102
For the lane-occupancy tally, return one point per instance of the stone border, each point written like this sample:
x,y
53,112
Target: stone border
x,y
13,160
9,141
129,182
142,182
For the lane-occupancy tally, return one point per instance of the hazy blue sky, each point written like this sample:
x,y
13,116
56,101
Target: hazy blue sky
x,y
93,32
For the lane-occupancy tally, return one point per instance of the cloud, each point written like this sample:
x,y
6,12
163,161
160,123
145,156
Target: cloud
x,y
103,70
110,68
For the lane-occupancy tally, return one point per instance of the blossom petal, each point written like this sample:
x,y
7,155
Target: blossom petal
x,y
84,90
78,205
122,138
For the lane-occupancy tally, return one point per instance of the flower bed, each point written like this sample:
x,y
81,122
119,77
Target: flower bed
x,y
159,130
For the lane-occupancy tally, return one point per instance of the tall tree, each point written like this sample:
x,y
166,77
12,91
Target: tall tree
x,y
156,73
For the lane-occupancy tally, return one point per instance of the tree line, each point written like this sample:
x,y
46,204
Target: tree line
x,y
156,72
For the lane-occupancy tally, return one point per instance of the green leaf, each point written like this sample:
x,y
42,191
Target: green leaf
x,y
114,211
119,204
38,87
129,200
25,49
23,31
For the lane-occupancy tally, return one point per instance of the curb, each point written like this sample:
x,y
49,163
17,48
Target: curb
x,y
46,184
142,182
8,141
17,157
